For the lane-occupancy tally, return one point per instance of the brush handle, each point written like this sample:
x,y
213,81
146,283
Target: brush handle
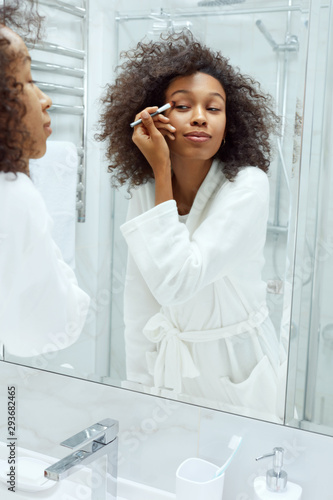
x,y
160,110
222,469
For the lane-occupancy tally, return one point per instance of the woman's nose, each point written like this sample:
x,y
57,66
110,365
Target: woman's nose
x,y
45,100
199,116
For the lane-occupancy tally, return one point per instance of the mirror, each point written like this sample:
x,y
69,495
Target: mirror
x,y
270,43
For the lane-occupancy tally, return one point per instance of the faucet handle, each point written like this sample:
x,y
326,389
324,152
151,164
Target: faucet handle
x,y
102,432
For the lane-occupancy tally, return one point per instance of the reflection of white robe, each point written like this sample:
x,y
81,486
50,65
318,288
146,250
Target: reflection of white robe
x,y
41,306
196,320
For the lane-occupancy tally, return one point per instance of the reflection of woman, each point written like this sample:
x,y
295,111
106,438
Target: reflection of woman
x,y
195,310
41,306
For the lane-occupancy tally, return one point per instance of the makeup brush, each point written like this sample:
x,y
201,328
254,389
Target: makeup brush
x,y
160,110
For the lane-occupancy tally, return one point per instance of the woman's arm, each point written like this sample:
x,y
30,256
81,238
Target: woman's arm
x,y
149,138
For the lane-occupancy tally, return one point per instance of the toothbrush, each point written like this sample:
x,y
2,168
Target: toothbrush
x,y
160,110
234,445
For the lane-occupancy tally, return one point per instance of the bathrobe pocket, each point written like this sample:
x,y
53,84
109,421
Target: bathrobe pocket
x,y
257,391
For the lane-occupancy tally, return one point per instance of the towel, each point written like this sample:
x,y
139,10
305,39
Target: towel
x,y
55,176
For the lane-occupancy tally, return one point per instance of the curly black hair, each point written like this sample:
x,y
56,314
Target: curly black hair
x,y
23,17
143,81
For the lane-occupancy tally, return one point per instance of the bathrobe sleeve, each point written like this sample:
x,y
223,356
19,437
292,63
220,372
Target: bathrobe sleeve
x,y
139,303
176,264
42,307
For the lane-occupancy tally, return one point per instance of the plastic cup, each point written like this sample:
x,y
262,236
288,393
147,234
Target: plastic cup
x,y
195,480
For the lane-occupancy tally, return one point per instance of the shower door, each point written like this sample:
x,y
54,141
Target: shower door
x,y
310,390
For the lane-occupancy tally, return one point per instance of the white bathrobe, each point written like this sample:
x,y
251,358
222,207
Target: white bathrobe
x,y
196,320
42,308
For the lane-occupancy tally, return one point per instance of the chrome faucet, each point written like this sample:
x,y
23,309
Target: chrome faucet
x,y
94,442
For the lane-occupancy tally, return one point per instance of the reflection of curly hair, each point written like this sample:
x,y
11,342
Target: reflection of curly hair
x,y
143,81
20,15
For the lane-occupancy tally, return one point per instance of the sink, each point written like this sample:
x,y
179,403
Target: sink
x,y
72,488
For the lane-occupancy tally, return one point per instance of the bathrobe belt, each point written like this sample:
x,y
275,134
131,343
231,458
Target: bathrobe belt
x,y
172,360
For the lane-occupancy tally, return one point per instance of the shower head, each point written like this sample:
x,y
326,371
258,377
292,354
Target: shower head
x,y
216,3
266,34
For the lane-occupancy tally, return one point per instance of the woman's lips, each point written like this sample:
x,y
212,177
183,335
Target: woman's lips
x,y
197,136
47,128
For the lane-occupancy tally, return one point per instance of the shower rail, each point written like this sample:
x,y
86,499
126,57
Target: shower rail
x,y
66,110
57,49
65,7
213,12
61,89
57,68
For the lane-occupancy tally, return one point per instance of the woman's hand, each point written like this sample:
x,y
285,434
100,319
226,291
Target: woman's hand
x,y
149,137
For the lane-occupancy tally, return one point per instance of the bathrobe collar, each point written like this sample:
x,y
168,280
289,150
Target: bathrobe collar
x,y
212,183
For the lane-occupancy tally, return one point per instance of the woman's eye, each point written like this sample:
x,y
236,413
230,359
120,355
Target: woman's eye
x,y
213,109
181,106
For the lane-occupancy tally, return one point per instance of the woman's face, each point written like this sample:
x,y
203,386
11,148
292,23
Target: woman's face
x,y
36,120
199,116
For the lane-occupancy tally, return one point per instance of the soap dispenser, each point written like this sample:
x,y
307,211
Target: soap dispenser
x,y
276,486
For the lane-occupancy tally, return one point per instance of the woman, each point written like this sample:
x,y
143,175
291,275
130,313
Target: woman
x,y
196,320
42,308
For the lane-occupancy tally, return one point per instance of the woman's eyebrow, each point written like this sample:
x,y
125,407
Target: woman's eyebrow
x,y
217,94
214,94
